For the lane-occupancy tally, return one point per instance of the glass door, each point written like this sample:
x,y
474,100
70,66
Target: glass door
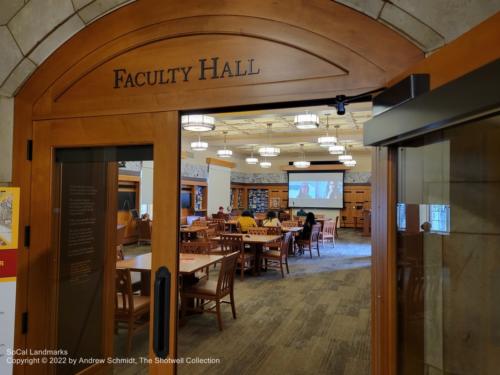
x,y
101,287
448,251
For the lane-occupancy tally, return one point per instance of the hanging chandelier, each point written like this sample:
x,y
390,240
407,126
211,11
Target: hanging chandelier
x,y
302,163
306,121
327,140
268,150
225,152
336,149
252,159
350,163
345,157
199,145
265,164
197,123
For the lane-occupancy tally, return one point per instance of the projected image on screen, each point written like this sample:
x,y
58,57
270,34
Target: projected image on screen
x,y
316,190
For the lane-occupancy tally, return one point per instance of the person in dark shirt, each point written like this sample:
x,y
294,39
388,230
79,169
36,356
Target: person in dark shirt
x,y
301,212
307,228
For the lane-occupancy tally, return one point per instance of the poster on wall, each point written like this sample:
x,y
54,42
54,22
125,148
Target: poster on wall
x,y
9,217
9,229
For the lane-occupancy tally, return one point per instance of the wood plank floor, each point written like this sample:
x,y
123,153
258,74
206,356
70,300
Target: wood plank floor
x,y
315,321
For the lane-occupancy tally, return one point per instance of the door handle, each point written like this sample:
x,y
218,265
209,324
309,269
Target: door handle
x,y
161,323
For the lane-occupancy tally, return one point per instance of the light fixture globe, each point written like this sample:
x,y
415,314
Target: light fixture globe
x,y
344,158
224,153
199,146
301,164
306,121
336,149
197,123
327,141
350,163
269,151
265,164
251,160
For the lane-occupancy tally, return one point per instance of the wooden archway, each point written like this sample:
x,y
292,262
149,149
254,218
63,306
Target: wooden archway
x,y
291,50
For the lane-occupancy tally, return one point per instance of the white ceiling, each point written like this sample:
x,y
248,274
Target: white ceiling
x,y
248,130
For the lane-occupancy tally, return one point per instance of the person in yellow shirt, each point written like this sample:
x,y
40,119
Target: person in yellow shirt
x,y
271,220
246,221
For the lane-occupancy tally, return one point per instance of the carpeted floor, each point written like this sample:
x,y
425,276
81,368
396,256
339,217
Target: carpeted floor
x,y
315,321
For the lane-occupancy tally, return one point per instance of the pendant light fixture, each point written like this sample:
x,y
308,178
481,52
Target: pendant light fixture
x,y
302,163
265,164
306,121
199,145
346,158
327,141
350,163
336,149
197,123
252,159
269,150
225,152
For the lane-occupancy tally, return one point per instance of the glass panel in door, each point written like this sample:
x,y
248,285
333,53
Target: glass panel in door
x,y
100,300
448,251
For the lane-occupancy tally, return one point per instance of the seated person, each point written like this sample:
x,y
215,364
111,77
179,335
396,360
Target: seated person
x,y
301,212
307,229
271,220
220,214
246,221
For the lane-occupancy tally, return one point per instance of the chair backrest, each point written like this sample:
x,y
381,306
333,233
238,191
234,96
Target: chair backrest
x,y
221,223
124,291
290,223
120,234
315,231
284,216
261,231
273,230
200,223
225,282
195,247
329,228
144,227
285,243
231,242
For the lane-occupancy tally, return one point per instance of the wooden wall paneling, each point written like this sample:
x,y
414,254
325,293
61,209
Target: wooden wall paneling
x,y
166,223
383,307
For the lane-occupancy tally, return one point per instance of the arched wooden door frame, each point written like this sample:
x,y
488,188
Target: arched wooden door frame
x,y
363,52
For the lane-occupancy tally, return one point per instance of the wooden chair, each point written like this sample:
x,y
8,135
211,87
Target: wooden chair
x,y
131,309
197,247
220,225
290,223
199,223
120,237
231,243
337,219
307,244
211,291
274,231
328,232
280,256
257,230
145,228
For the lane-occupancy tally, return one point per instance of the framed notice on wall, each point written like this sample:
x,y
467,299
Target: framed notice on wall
x,y
9,217
9,230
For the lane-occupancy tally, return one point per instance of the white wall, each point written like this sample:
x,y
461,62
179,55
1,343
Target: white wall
x,y
147,188
219,182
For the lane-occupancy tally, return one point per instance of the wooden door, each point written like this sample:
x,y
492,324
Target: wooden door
x,y
57,267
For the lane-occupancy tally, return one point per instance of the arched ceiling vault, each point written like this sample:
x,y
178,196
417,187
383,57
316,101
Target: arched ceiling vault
x,y
30,30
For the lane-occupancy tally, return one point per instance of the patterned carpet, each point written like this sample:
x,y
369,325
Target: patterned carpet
x,y
315,321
